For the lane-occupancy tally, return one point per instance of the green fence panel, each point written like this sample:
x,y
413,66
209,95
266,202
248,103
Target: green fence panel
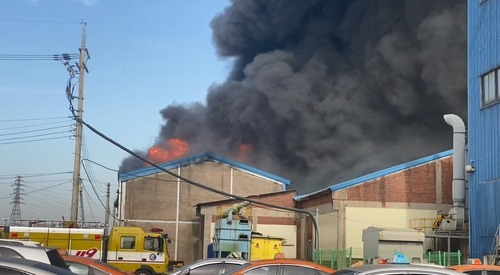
x,y
334,258
444,258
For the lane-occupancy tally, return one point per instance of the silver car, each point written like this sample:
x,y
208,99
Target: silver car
x,y
212,266
396,269
16,266
19,242
44,254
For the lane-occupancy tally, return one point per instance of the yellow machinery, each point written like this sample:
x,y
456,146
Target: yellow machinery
x,y
265,247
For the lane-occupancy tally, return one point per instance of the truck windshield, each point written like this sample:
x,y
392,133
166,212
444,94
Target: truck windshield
x,y
151,243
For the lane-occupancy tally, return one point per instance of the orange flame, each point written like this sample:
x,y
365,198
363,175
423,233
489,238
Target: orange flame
x,y
171,149
243,151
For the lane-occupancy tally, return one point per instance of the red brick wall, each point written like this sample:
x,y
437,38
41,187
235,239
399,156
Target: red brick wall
x,y
413,185
447,178
317,200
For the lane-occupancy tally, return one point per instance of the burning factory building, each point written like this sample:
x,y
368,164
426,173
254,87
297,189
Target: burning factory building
x,y
321,91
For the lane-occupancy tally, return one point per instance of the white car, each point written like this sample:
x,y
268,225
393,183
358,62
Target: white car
x,y
19,242
44,254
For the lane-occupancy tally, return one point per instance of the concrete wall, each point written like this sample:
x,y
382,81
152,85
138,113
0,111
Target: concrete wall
x,y
393,216
153,201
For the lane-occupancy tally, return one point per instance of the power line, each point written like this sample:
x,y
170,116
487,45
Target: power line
x,y
39,21
32,125
39,135
199,185
32,131
33,140
30,119
33,175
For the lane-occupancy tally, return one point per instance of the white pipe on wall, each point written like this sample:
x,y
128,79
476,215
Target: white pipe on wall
x,y
177,214
458,184
458,191
231,182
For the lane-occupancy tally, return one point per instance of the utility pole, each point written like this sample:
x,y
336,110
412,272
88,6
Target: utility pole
x,y
15,215
106,218
82,68
81,204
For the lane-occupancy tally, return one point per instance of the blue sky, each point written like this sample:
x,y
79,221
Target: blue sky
x,y
145,55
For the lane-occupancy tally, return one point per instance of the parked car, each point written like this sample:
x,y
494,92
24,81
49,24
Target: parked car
x,y
476,267
17,266
281,267
212,266
89,266
44,254
19,242
396,269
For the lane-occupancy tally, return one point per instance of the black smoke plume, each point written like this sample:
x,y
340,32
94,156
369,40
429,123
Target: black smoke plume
x,y
328,90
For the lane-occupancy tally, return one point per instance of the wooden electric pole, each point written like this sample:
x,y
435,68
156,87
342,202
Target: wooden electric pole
x,y
82,68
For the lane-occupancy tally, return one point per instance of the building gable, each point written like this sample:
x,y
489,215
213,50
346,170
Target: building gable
x,y
378,174
199,158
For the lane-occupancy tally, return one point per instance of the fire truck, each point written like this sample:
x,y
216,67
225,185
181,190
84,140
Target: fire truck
x,y
128,248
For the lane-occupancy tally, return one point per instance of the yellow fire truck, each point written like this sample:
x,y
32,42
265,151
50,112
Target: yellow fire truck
x,y
127,248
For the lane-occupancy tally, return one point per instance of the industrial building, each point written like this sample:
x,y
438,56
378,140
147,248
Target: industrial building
x,y
409,195
149,197
483,163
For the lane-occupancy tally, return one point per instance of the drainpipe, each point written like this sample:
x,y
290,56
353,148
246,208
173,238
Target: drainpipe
x,y
458,192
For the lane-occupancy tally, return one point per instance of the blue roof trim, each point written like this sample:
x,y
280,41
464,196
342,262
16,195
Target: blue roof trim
x,y
185,161
380,173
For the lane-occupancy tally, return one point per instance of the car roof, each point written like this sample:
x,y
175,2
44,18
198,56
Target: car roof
x,y
33,266
27,248
90,261
473,267
203,262
395,267
23,242
289,261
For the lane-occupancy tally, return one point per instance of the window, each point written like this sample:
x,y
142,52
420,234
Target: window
x,y
78,268
230,267
298,270
56,259
211,269
492,272
97,271
263,270
151,243
473,272
9,253
127,242
7,271
490,91
322,272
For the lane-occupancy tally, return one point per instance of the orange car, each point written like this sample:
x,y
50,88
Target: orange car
x,y
281,266
475,267
88,266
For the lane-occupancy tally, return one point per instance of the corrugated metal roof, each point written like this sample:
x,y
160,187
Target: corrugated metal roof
x,y
201,157
379,174
484,127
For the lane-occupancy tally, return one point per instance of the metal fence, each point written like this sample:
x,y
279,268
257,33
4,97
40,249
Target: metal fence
x,y
444,258
334,258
